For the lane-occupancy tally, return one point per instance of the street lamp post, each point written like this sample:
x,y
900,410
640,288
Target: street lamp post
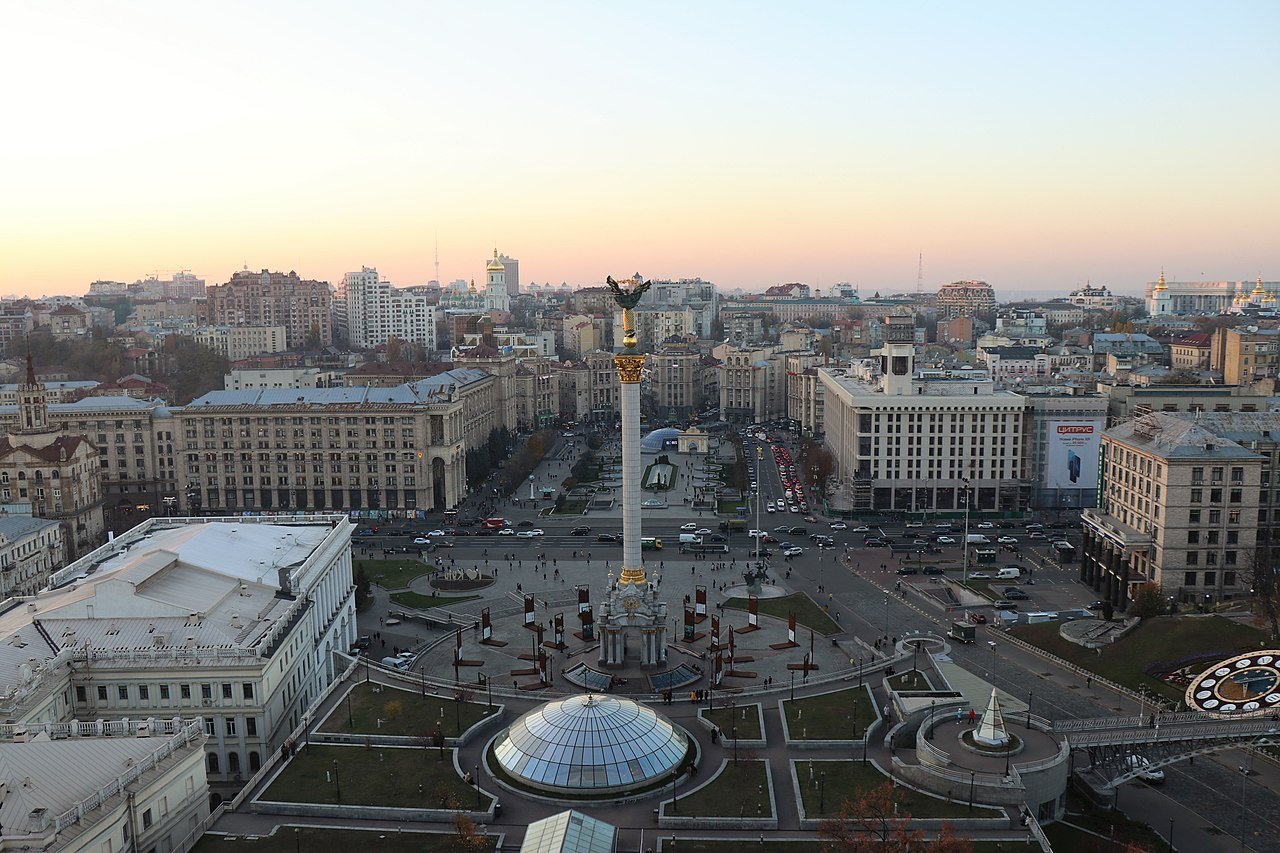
x,y
1170,835
477,781
992,644
297,841
1029,695
792,673
822,792
886,617
337,786
971,775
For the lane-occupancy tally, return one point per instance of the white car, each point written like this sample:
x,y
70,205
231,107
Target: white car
x,y
506,531
770,508
421,540
839,525
1036,534
703,531
1008,540
528,534
860,529
985,525
1142,765
756,534
946,540
435,533
979,576
690,527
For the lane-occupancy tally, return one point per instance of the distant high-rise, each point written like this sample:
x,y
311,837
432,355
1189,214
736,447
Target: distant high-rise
x,y
966,299
268,298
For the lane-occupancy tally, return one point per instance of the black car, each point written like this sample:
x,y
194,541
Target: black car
x,y
932,570
875,543
580,531
484,531
608,537
718,537
525,523
907,570
469,522
798,531
1016,595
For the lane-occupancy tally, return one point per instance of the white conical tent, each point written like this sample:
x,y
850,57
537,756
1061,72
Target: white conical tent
x,y
991,729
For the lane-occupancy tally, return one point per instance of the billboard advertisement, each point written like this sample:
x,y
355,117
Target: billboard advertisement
x,y
1071,454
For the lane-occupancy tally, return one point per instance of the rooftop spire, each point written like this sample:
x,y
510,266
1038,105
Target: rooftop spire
x,y
991,730
31,367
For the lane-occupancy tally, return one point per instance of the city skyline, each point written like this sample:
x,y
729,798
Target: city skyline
x,y
1032,151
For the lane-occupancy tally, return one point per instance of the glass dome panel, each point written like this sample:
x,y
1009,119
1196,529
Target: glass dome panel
x,y
591,742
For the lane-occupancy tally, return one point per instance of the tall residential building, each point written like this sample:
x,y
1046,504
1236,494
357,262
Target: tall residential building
x,y
965,299
372,311
1179,505
303,307
46,474
913,444
697,296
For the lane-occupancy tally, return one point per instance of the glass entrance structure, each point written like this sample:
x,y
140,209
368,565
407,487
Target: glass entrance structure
x,y
591,743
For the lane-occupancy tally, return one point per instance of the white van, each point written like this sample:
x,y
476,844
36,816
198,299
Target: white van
x,y
1009,574
395,663
977,539
690,539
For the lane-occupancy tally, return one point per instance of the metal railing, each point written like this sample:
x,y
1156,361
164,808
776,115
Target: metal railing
x,y
192,731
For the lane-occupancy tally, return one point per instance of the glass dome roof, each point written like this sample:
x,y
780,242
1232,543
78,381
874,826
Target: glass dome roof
x,y
591,743
654,441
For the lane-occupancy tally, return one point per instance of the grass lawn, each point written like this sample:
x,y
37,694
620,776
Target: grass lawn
x,y
414,716
1163,638
287,839
571,506
848,780
725,506
735,793
392,574
910,680
377,776
747,718
808,612
829,716
425,602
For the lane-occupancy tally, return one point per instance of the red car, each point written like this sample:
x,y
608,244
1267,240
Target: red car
x,y
978,618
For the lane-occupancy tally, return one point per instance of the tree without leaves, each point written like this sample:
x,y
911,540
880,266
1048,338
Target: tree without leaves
x,y
869,824
466,838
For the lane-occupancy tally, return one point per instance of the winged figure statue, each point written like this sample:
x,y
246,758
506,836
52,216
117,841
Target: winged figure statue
x,y
628,298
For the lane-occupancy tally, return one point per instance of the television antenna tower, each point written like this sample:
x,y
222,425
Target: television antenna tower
x,y
920,277
437,257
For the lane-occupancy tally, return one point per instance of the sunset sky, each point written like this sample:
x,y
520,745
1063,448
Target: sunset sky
x,y
1032,145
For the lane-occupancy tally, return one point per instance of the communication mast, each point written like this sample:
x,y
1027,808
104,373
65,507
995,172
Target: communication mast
x,y
920,278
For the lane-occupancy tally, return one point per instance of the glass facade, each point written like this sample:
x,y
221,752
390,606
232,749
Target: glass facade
x,y
592,743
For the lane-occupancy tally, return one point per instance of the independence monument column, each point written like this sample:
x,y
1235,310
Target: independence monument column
x,y
630,364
